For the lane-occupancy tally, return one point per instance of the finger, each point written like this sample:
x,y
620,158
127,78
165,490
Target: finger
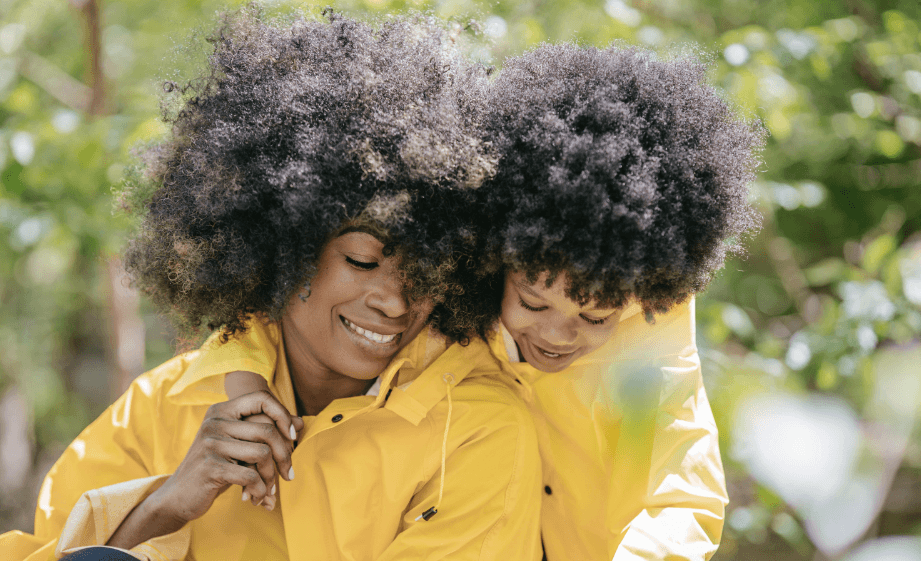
x,y
259,418
263,418
269,502
280,447
288,429
265,403
242,475
256,454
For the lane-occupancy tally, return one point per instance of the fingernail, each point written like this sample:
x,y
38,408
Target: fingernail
x,y
291,473
269,505
292,432
245,496
272,492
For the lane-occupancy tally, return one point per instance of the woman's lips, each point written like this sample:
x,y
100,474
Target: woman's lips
x,y
370,342
370,335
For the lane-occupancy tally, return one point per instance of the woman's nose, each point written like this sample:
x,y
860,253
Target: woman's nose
x,y
386,296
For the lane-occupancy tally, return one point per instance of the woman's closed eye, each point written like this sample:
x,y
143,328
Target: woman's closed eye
x,y
363,265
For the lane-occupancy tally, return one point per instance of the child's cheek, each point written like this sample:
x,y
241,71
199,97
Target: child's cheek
x,y
598,337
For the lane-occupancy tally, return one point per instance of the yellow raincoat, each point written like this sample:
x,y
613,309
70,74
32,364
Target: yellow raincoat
x,y
365,468
631,462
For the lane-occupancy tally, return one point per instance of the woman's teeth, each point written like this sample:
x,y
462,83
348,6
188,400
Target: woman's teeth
x,y
551,355
370,335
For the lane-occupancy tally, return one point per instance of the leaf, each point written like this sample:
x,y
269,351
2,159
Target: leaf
x,y
826,272
876,251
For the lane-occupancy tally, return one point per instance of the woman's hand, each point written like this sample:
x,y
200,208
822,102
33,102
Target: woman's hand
x,y
226,451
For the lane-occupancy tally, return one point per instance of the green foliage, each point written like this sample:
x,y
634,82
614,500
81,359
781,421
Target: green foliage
x,y
58,164
833,279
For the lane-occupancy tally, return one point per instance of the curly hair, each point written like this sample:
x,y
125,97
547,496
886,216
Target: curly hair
x,y
294,130
625,172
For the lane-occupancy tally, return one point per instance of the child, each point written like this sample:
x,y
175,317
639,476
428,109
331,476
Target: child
x,y
621,187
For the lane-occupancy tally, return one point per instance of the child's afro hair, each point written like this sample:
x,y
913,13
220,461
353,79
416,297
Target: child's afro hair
x,y
625,172
294,130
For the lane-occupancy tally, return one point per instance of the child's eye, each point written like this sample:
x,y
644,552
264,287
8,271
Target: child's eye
x,y
363,265
594,321
528,307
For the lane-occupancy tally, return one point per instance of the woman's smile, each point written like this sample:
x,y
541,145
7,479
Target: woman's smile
x,y
371,341
368,334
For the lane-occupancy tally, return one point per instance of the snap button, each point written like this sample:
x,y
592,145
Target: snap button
x,y
337,417
548,490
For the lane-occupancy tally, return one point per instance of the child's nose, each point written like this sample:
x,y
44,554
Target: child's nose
x,y
560,333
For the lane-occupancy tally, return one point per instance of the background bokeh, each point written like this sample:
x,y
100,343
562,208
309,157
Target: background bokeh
x,y
811,345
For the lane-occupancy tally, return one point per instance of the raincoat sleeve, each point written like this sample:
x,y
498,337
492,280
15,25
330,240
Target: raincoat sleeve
x,y
119,446
100,512
490,509
685,491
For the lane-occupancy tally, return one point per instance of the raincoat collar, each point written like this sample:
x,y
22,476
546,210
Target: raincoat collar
x,y
431,385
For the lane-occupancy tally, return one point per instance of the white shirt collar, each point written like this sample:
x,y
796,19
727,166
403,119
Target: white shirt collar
x,y
510,347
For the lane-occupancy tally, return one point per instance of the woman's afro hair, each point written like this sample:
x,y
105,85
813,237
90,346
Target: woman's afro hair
x,y
625,172
295,130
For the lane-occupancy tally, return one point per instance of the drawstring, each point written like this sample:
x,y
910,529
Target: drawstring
x,y
432,511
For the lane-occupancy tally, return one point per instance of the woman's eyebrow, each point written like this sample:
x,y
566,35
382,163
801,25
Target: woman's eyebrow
x,y
364,230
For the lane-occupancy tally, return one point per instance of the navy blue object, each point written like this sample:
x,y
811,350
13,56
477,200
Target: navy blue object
x,y
98,554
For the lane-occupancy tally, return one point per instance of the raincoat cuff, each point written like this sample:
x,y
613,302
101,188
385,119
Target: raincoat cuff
x,y
98,513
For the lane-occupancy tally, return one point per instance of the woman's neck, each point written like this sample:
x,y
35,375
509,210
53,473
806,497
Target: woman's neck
x,y
313,394
315,386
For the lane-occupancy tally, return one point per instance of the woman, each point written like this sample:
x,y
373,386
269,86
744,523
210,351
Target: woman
x,y
307,183
621,187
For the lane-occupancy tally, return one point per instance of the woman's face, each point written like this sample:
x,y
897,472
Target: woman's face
x,y
356,318
551,330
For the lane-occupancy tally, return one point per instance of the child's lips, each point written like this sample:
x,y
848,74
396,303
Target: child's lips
x,y
554,353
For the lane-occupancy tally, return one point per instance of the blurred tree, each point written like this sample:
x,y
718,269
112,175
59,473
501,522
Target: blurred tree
x,y
821,313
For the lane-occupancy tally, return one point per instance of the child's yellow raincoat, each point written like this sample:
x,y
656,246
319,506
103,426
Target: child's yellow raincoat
x,y
365,468
631,460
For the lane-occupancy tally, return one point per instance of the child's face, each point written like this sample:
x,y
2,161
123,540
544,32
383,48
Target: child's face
x,y
356,317
551,330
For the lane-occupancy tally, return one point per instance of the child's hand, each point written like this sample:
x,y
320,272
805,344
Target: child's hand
x,y
241,383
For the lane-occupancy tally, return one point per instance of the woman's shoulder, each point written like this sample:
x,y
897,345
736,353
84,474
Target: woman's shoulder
x,y
464,374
